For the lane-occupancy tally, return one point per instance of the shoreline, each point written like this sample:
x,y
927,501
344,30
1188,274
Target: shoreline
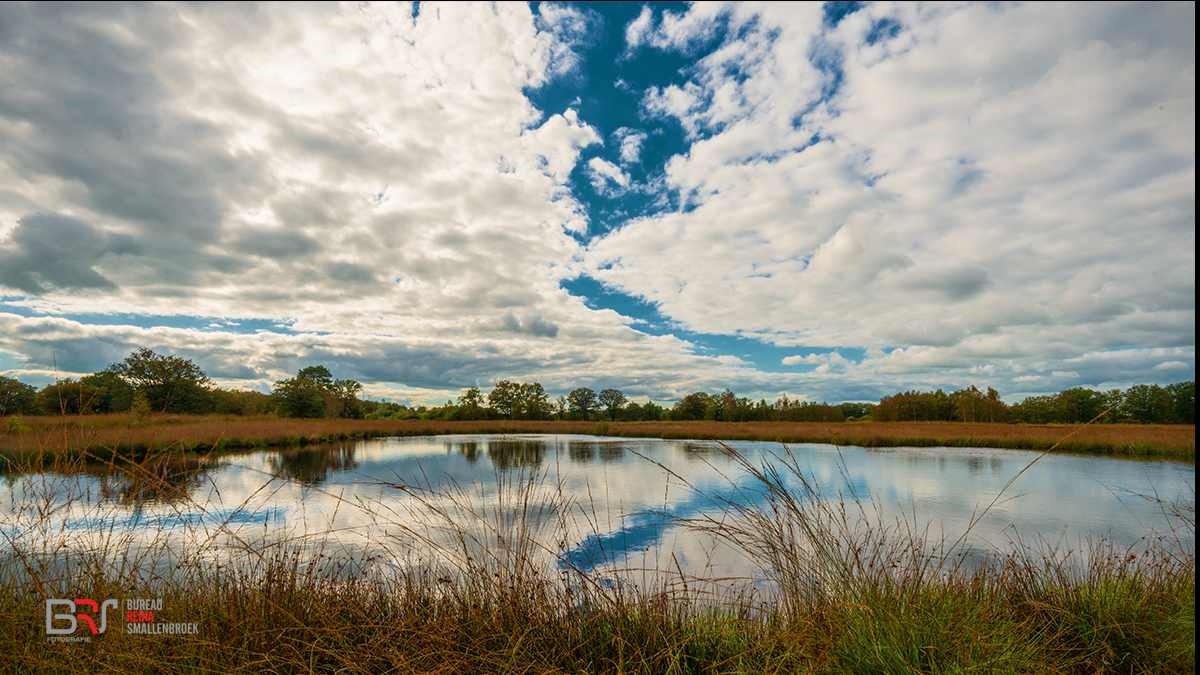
x,y
122,435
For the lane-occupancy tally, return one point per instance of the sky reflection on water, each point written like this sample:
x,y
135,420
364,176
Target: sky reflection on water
x,y
371,496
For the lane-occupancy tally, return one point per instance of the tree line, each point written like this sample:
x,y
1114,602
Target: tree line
x,y
148,382
1142,403
529,401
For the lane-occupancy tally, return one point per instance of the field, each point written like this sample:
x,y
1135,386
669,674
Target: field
x,y
102,434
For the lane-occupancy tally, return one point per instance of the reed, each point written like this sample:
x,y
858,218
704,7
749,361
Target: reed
x,y
128,435
457,581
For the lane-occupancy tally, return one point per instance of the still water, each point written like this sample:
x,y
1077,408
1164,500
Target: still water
x,y
598,505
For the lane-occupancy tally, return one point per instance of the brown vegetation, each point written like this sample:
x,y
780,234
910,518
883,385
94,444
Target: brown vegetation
x,y
121,433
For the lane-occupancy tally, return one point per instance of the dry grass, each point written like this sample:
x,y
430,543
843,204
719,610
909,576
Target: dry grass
x,y
102,434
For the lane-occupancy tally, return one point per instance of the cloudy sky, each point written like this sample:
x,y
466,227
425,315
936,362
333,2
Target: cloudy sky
x,y
836,201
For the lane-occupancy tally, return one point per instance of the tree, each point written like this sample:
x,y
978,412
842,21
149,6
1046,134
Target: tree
x,y
612,399
345,397
67,397
317,374
691,407
582,401
1148,404
16,397
1183,400
534,404
856,410
113,394
471,405
169,383
314,393
241,402
505,397
971,405
727,407
653,412
298,397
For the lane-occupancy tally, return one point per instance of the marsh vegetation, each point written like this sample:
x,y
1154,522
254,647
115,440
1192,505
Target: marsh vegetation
x,y
459,579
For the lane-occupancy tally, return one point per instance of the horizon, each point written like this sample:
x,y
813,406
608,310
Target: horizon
x,y
836,202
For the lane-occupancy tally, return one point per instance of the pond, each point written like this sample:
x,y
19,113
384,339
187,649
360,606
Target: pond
x,y
615,507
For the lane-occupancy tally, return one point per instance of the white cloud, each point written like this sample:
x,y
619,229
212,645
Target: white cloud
x,y
994,192
832,358
637,30
992,182
602,172
676,30
249,162
631,141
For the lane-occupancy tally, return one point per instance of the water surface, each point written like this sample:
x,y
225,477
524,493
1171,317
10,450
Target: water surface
x,y
607,504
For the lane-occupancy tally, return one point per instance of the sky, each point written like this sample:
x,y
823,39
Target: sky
x,y
835,201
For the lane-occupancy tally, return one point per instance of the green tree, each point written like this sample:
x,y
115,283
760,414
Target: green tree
x,y
470,405
691,407
169,383
612,400
314,393
114,393
533,403
241,402
346,403
298,397
16,397
727,407
582,402
1148,404
1183,401
505,398
67,397
317,374
855,410
970,405
653,412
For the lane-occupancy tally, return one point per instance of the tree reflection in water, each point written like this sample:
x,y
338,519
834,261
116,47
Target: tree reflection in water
x,y
582,453
313,466
171,479
508,454
472,450
610,452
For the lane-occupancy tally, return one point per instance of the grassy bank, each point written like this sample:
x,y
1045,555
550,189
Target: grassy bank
x,y
125,435
847,596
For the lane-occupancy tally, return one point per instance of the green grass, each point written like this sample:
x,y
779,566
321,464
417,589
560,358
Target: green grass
x,y
849,594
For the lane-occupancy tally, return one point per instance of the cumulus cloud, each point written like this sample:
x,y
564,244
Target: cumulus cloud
x,y
48,252
831,358
673,30
265,175
522,347
966,193
963,187
631,141
603,173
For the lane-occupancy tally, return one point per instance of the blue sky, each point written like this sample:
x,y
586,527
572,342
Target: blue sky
x,y
834,201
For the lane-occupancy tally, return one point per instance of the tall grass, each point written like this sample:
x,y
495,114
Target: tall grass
x,y
131,435
456,580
